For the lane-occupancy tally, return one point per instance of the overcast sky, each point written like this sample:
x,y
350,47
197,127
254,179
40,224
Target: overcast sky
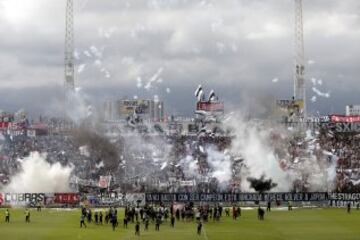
x,y
243,49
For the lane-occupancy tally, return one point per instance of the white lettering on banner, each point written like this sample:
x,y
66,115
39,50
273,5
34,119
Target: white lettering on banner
x,y
345,196
347,127
186,183
21,198
135,198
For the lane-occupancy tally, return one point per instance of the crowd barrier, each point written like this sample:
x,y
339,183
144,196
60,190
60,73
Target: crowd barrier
x,y
123,199
71,199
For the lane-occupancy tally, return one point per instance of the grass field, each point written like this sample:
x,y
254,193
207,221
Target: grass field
x,y
326,224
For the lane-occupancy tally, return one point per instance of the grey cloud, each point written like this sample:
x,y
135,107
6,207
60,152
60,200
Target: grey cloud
x,y
236,47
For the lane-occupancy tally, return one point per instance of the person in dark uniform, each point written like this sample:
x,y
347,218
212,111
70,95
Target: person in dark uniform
x,y
157,224
141,213
234,212
125,222
96,216
83,211
268,209
177,214
199,227
7,216
172,221
238,210
137,229
101,218
261,213
183,214
89,216
215,213
227,212
348,207
38,206
113,222
290,206
146,224
27,215
107,217
82,221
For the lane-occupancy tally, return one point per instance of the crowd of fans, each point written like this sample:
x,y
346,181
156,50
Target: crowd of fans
x,y
328,147
139,163
346,147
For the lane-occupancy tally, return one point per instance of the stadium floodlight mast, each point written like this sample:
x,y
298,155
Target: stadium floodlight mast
x,y
69,85
299,79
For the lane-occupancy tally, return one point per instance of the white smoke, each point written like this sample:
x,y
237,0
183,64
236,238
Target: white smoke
x,y
275,80
37,175
154,78
81,68
321,94
190,167
311,62
252,142
84,151
78,109
319,165
221,163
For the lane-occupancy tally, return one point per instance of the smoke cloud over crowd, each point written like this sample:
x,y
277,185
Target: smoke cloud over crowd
x,y
36,175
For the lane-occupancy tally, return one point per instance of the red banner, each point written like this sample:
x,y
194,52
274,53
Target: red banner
x,y
210,106
4,125
343,118
67,198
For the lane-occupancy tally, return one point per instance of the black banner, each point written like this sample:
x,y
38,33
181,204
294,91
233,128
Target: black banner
x,y
238,197
344,196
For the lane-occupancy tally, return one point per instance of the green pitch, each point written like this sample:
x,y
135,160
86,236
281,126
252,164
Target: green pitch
x,y
299,224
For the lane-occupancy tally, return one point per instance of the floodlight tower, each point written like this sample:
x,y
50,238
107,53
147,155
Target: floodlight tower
x,y
69,49
299,80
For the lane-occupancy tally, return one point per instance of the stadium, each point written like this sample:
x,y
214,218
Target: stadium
x,y
119,167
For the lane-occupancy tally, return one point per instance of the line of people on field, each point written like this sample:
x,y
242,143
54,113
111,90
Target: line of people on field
x,y
26,213
99,217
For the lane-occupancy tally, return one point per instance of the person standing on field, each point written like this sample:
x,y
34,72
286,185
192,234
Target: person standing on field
x,y
82,221
96,216
199,227
268,209
289,206
7,216
101,218
172,221
137,229
125,222
146,224
27,215
157,224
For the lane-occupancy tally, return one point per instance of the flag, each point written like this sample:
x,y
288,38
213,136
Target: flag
x,y
212,96
104,181
198,91
200,97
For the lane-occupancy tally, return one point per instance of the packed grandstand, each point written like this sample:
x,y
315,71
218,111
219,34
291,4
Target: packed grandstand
x,y
148,157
